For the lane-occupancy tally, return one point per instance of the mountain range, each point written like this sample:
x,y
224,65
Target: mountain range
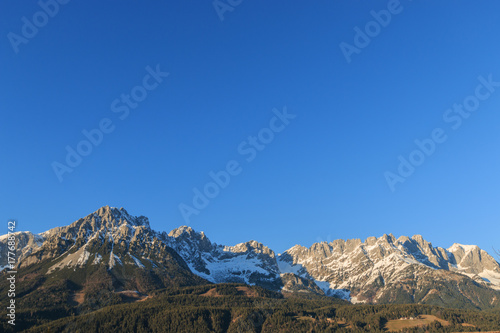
x,y
110,252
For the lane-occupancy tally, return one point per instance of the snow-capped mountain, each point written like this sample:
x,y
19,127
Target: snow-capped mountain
x,y
476,263
107,245
250,262
387,269
125,249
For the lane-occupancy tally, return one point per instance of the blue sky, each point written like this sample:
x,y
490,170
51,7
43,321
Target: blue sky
x,y
320,178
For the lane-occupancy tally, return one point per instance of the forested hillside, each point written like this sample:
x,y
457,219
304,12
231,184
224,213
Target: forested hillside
x,y
241,308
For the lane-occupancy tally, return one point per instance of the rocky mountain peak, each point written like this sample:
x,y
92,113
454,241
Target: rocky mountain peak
x,y
385,261
322,247
370,241
388,238
371,271
112,216
184,229
460,248
472,259
419,239
186,232
297,250
190,238
403,239
251,246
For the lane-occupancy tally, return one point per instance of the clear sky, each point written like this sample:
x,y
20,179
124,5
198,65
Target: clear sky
x,y
360,100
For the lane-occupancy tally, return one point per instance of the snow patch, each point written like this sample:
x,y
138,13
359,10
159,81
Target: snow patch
x,y
97,259
354,300
339,293
491,277
137,261
84,257
77,259
286,267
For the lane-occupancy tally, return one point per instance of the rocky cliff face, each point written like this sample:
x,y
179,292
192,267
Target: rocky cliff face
x,y
250,262
475,263
26,244
131,254
387,269
377,270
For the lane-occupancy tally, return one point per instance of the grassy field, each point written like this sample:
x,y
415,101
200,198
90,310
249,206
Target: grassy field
x,y
399,324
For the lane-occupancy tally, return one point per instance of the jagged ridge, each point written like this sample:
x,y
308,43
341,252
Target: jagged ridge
x,y
377,270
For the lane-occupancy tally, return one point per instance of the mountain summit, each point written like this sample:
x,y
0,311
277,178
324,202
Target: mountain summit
x,y
99,255
112,245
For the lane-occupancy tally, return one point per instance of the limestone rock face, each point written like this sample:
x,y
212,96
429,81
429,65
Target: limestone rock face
x,y
387,269
475,263
378,270
250,262
124,245
26,243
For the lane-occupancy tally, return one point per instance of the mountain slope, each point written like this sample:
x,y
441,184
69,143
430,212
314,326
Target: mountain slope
x,y
379,270
96,261
475,263
250,262
113,251
404,270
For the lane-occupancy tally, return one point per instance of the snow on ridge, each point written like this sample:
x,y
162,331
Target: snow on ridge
x,y
237,267
389,255
491,277
466,248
